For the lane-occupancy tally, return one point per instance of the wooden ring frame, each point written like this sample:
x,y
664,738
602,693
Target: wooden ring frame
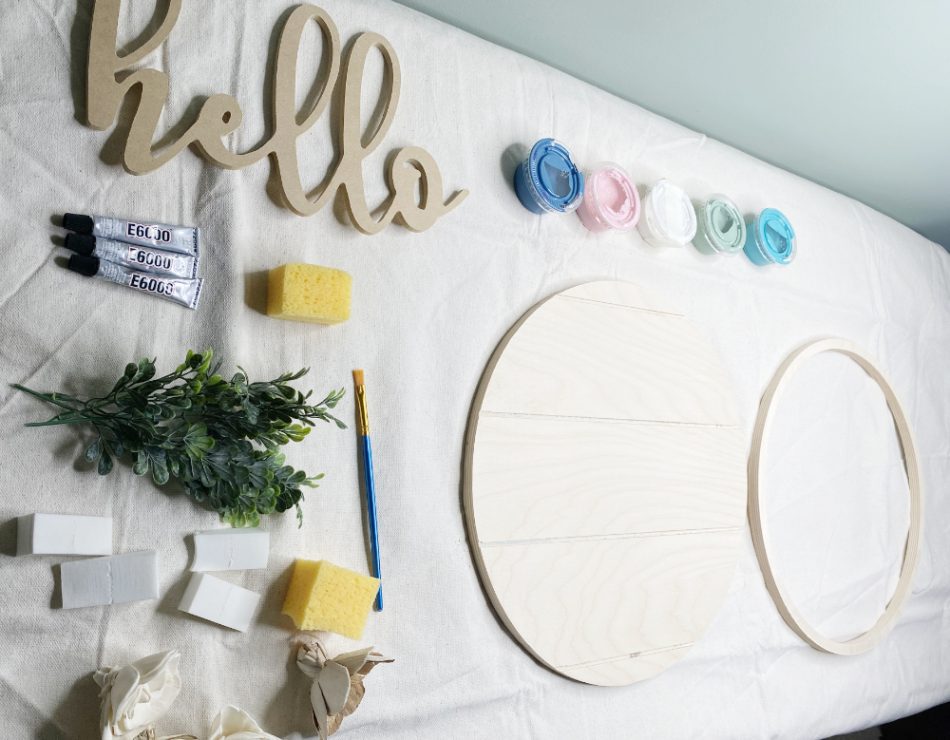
x,y
789,613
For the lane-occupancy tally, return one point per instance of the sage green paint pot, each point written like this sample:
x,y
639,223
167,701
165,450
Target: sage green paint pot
x,y
720,228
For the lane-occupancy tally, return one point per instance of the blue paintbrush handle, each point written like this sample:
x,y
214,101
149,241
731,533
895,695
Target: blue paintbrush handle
x,y
371,512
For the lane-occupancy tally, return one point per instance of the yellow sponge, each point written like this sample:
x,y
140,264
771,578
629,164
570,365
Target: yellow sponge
x,y
309,293
324,596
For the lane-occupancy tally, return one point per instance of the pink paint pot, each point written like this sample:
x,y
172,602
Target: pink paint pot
x,y
610,200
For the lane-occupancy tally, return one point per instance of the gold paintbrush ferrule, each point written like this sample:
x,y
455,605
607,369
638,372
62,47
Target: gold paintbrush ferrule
x,y
362,416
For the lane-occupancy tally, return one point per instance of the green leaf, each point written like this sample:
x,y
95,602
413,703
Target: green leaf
x,y
93,450
205,363
159,473
146,370
140,467
105,464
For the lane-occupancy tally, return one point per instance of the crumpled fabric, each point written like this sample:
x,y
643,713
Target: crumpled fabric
x,y
232,723
134,697
428,311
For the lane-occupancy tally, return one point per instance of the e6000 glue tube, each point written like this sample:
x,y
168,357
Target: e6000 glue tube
x,y
182,239
143,259
183,291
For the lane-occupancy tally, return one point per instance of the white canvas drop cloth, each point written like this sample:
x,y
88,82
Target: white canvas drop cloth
x,y
428,310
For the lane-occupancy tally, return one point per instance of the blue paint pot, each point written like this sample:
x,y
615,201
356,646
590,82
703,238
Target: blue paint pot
x,y
548,181
770,239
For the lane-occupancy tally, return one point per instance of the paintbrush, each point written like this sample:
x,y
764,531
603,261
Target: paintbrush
x,y
367,455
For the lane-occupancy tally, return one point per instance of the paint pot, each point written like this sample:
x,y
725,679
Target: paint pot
x,y
720,228
548,181
770,239
669,219
610,199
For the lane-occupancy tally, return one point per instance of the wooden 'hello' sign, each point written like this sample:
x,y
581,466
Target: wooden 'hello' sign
x,y
111,79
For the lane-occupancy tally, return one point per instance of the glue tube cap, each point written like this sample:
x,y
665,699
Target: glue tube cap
x,y
83,264
81,243
78,222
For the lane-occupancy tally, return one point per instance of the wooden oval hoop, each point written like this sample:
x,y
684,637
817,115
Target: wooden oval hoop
x,y
781,598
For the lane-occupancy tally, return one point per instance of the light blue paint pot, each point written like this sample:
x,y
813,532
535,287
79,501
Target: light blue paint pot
x,y
548,181
770,239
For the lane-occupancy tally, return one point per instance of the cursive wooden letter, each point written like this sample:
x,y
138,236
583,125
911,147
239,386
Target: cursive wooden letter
x,y
110,79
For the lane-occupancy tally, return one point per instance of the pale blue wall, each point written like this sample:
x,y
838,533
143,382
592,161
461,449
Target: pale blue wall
x,y
854,94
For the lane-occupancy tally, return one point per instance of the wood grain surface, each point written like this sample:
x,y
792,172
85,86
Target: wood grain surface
x,y
605,483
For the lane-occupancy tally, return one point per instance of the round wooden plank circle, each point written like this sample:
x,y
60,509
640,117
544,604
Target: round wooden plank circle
x,y
783,602
605,483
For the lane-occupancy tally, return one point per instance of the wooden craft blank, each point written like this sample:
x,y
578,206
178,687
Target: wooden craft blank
x,y
605,483
112,77
781,598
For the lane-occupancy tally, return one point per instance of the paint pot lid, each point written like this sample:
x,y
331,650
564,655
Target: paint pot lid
x,y
722,224
81,243
670,213
775,236
83,264
611,194
554,176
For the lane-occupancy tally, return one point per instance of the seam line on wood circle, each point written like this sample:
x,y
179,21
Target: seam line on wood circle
x,y
603,419
620,305
598,537
628,656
